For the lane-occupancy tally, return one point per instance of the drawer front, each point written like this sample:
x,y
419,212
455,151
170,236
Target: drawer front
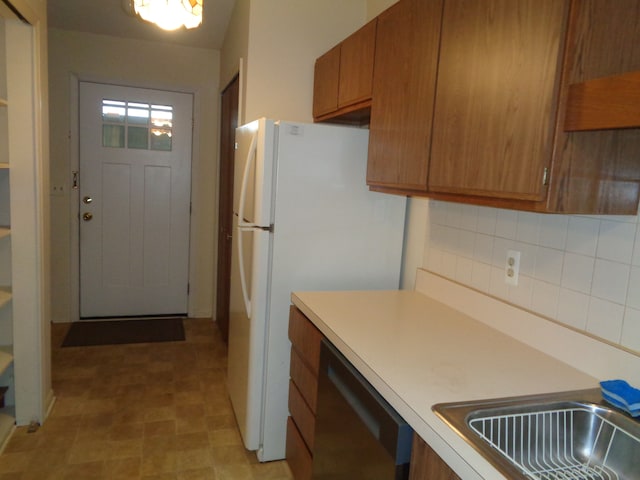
x,y
302,415
306,338
304,379
298,456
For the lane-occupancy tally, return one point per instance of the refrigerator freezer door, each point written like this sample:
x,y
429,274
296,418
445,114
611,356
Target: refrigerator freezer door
x,y
253,177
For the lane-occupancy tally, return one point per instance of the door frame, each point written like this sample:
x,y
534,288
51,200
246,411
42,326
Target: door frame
x,y
74,194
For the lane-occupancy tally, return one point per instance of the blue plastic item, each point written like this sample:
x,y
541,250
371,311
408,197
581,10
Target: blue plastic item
x,y
622,395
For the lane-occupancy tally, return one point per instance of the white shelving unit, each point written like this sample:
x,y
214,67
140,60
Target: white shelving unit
x,y
7,413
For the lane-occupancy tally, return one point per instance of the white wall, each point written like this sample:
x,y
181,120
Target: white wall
x,y
279,41
142,64
582,271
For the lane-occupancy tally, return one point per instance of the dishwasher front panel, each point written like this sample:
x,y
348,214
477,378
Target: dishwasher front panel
x,y
358,435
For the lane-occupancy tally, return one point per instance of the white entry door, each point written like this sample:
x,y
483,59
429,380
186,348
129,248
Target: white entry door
x,y
135,182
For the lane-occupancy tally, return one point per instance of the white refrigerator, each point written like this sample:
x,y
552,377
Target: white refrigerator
x,y
304,219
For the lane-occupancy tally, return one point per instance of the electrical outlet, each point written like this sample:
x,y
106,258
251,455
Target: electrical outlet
x,y
512,267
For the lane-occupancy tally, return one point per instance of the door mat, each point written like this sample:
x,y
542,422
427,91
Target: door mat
x,y
116,332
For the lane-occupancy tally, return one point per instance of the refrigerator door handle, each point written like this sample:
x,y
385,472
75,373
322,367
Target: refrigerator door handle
x,y
242,225
245,181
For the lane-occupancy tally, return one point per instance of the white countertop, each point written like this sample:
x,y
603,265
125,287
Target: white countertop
x,y
418,352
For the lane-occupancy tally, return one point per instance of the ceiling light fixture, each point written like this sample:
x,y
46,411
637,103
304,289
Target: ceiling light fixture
x,y
169,14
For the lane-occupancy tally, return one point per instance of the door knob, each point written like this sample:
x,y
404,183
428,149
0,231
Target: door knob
x,y
87,216
87,199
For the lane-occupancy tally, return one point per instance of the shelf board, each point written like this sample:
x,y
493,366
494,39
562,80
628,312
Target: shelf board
x,y
5,232
604,103
4,165
6,357
5,296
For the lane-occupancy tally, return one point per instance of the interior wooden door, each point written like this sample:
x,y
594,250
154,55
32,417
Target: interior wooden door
x,y
228,124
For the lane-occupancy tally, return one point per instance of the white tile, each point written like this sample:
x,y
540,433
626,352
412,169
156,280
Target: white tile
x,y
498,287
466,242
454,214
521,294
631,329
527,227
544,298
549,265
464,267
437,212
500,247
636,248
573,308
577,272
450,237
434,260
469,217
582,235
506,224
615,241
605,319
437,236
633,293
483,248
481,276
610,281
487,218
528,254
449,262
553,231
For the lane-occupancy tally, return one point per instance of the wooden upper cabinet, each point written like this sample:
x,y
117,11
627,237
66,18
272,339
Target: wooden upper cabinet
x,y
495,106
403,94
343,79
599,171
325,83
356,66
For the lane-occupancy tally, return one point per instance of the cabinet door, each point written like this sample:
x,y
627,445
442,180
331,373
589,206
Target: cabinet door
x,y
325,82
495,102
403,93
426,464
356,65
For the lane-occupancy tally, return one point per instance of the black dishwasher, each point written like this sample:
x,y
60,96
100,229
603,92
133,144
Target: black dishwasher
x,y
358,434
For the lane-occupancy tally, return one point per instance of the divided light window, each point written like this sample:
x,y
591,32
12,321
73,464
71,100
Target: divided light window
x,y
136,125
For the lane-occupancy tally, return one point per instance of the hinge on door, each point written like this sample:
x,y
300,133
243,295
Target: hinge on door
x,y
190,208
545,176
188,288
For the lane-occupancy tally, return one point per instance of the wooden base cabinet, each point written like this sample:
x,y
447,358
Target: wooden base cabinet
x,y
426,464
303,388
303,391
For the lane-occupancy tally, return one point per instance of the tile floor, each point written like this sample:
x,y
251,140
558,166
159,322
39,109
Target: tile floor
x,y
156,411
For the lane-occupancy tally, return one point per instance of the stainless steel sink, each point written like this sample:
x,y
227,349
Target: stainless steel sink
x,y
570,435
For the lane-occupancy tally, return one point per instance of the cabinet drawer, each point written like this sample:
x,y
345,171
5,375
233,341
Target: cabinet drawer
x,y
304,379
298,456
306,339
302,415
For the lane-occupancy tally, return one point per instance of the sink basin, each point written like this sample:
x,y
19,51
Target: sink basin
x,y
568,435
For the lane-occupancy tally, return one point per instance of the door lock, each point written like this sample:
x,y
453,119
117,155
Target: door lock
x,y
87,199
87,216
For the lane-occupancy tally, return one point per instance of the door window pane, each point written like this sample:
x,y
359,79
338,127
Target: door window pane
x,y
161,139
132,120
113,136
138,137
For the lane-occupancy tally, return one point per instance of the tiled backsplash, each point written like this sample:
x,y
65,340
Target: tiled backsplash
x,y
583,271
